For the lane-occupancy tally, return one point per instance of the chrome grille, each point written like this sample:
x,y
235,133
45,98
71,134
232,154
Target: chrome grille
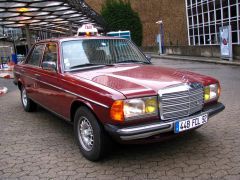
x,y
181,101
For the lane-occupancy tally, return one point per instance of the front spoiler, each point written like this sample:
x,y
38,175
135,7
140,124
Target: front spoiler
x,y
148,130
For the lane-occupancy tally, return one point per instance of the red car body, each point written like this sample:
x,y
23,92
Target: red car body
x,y
63,92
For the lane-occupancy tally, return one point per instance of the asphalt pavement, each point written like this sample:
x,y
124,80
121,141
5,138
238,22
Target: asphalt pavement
x,y
41,146
8,83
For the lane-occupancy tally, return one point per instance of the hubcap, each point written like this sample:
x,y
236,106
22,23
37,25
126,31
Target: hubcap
x,y
24,97
85,134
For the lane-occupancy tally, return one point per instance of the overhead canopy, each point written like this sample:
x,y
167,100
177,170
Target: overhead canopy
x,y
56,15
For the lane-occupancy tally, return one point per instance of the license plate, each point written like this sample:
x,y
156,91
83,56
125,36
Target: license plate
x,y
187,124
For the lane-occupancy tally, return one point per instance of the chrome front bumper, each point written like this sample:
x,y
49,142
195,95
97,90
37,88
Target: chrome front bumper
x,y
148,130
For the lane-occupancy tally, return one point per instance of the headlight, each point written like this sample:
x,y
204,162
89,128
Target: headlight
x,y
211,92
132,108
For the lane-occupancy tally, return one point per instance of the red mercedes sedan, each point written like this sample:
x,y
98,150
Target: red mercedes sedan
x,y
110,90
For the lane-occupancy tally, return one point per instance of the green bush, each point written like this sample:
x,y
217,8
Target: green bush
x,y
119,15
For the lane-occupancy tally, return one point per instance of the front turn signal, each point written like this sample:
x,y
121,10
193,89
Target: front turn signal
x,y
116,111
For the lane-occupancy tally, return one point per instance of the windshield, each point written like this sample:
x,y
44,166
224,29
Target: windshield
x,y
81,53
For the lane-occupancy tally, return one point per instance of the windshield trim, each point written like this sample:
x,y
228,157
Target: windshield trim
x,y
84,68
129,61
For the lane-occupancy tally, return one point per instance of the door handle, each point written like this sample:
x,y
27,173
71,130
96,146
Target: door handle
x,y
37,75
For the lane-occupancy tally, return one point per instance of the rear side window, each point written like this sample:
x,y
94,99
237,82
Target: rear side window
x,y
36,55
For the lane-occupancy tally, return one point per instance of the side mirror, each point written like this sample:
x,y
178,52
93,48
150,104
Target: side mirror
x,y
49,65
148,56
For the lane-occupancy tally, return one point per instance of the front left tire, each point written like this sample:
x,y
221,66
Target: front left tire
x,y
28,104
90,135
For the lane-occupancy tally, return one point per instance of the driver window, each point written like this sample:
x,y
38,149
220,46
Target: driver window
x,y
36,56
50,53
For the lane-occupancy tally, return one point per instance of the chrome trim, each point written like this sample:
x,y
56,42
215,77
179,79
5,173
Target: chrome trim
x,y
179,103
166,127
84,68
148,127
144,135
171,89
178,88
175,97
69,92
176,111
184,96
95,102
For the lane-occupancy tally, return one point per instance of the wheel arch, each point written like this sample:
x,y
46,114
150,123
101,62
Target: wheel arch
x,y
78,103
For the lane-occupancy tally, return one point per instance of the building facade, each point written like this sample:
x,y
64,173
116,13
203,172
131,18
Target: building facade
x,y
205,17
171,12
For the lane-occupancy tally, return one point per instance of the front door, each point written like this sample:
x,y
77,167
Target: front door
x,y
49,89
30,70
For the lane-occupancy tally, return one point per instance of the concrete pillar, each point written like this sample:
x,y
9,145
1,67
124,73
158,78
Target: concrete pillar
x,y
28,37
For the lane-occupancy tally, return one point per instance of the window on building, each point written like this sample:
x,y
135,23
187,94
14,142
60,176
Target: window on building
x,y
234,36
207,16
233,11
207,39
225,13
224,3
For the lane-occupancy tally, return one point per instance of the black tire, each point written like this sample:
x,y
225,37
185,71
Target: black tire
x,y
92,132
28,104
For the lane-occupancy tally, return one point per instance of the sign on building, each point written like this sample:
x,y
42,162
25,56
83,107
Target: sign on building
x,y
226,42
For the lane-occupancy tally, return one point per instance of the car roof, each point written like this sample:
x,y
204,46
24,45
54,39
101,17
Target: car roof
x,y
62,39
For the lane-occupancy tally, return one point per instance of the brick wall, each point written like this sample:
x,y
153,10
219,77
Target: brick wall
x,y
172,12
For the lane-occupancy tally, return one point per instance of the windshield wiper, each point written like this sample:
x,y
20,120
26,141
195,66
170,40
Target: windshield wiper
x,y
133,61
85,65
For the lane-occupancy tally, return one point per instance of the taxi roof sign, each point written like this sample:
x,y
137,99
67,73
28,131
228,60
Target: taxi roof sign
x,y
87,29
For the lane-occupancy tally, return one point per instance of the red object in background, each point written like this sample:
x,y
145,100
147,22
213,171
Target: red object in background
x,y
7,76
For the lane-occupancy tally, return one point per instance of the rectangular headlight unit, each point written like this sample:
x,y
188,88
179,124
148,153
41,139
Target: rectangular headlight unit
x,y
140,107
134,108
211,92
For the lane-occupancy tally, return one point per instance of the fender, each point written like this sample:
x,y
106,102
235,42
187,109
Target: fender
x,y
79,102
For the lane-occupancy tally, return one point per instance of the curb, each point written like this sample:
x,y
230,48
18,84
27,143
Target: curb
x,y
196,60
3,90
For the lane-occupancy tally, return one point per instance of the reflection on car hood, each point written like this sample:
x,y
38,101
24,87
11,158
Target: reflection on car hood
x,y
135,79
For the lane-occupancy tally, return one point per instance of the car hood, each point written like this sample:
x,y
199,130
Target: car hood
x,y
134,80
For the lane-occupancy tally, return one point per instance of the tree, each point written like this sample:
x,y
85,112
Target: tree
x,y
119,15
